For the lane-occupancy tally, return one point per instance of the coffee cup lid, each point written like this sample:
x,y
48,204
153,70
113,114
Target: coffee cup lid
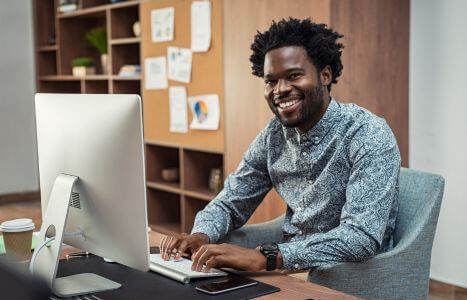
x,y
17,225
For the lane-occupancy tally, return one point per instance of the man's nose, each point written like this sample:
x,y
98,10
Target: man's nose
x,y
282,87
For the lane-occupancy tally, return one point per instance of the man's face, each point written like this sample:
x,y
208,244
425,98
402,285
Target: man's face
x,y
293,87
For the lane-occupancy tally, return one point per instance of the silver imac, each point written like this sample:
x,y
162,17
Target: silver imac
x,y
92,180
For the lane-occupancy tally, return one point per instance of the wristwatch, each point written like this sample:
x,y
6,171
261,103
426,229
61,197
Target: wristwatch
x,y
270,251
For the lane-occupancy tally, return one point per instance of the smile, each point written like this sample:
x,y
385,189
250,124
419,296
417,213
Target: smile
x,y
288,103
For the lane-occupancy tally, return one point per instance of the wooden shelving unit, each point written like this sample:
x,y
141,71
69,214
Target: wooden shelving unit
x,y
60,38
190,191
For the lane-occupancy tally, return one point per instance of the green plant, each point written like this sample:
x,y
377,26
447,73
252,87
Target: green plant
x,y
97,37
84,61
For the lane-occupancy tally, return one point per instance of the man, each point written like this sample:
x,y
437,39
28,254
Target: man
x,y
336,165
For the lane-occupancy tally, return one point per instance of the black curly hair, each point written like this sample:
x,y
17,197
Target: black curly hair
x,y
319,41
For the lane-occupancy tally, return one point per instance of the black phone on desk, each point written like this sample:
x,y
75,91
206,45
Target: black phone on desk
x,y
226,285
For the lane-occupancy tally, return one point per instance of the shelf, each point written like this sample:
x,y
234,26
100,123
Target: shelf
x,y
164,210
167,228
172,145
96,86
93,10
59,86
73,78
125,41
165,186
190,207
124,54
200,193
197,166
44,11
59,78
48,48
47,62
125,78
126,87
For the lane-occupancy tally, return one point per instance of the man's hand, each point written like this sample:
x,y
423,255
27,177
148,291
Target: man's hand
x,y
177,245
227,256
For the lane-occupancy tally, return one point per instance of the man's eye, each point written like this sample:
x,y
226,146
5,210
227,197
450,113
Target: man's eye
x,y
294,76
269,82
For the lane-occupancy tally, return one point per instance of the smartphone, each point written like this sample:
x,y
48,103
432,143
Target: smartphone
x,y
226,285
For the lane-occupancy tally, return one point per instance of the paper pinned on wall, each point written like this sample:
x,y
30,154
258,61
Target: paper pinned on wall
x,y
178,109
205,110
200,26
155,71
162,24
179,63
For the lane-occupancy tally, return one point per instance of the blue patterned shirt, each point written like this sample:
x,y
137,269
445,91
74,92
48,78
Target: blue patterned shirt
x,y
339,180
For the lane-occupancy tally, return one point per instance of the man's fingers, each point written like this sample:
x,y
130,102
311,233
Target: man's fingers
x,y
210,263
161,246
181,249
211,250
166,248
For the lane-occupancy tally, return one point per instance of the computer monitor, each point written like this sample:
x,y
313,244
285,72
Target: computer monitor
x,y
92,179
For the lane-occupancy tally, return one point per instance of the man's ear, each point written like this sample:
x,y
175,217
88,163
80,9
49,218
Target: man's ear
x,y
326,75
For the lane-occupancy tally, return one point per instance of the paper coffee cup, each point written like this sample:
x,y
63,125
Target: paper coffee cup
x,y
17,236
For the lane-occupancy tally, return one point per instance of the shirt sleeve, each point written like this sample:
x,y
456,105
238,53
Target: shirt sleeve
x,y
243,192
371,197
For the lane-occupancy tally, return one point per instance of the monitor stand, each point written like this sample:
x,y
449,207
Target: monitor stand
x,y
45,261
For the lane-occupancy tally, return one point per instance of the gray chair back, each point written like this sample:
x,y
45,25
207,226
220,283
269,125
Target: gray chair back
x,y
403,272
420,196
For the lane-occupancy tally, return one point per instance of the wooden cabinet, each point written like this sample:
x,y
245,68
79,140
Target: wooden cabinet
x,y
172,205
60,37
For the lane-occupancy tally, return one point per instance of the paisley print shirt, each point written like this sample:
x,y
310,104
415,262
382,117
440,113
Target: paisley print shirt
x,y
339,180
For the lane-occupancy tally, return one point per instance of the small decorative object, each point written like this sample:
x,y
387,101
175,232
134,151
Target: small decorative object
x,y
137,29
215,180
82,66
97,37
130,70
170,175
66,6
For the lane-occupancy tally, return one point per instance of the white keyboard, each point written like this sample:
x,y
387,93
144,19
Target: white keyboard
x,y
183,266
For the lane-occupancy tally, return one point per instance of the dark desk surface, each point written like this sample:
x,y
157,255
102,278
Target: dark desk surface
x,y
290,287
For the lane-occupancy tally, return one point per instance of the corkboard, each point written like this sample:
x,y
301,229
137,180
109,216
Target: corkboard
x,y
206,78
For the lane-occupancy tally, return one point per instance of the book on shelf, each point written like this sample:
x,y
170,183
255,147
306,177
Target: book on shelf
x,y
130,70
68,6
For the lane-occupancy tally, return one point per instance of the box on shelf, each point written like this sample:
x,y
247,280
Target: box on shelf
x,y
130,70
83,71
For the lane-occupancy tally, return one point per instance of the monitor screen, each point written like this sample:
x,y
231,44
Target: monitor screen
x,y
99,139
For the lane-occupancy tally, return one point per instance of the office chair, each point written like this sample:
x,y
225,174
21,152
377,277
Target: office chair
x,y
401,273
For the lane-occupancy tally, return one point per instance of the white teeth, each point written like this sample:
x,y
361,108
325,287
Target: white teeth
x,y
287,104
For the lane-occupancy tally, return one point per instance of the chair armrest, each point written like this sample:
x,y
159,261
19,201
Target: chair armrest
x,y
381,275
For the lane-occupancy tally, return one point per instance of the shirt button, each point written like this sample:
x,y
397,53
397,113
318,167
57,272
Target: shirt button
x,y
304,153
299,232
316,140
296,266
310,181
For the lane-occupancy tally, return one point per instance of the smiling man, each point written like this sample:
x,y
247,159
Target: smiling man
x,y
335,165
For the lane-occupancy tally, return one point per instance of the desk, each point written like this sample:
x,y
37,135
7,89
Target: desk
x,y
291,287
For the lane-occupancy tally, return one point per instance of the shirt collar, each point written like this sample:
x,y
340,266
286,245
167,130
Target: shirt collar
x,y
319,131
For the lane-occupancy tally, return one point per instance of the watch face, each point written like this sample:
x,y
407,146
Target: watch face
x,y
269,247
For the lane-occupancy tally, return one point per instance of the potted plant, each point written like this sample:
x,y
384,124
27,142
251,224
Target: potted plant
x,y
97,37
82,66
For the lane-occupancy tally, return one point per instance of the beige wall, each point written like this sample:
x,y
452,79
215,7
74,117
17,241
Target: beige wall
x,y
18,154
